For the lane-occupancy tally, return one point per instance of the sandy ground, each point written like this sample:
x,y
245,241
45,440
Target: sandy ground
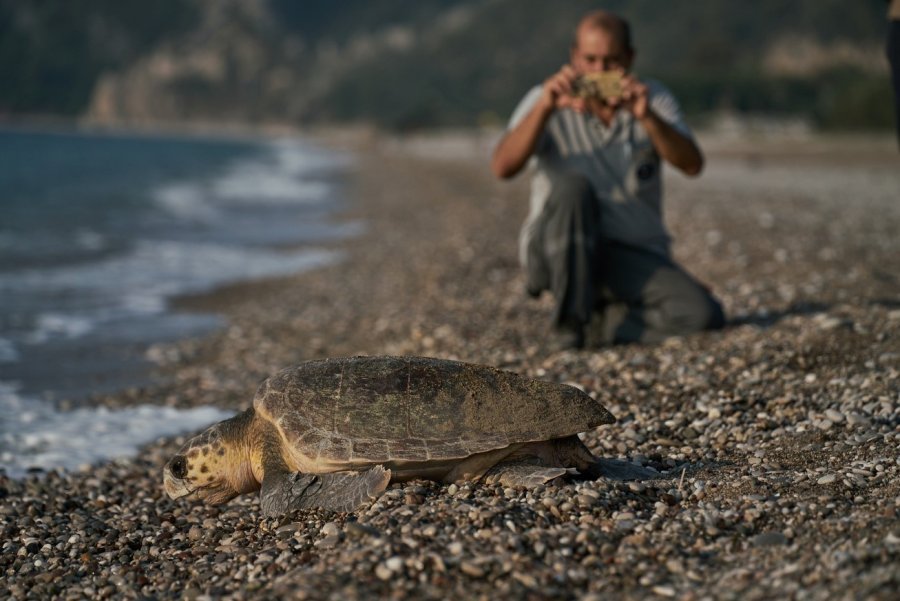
x,y
777,438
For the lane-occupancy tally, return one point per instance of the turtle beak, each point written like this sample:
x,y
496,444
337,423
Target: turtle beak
x,y
175,488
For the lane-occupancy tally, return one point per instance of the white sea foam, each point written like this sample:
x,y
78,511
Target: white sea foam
x,y
140,282
33,434
270,184
186,200
89,239
58,325
281,176
302,158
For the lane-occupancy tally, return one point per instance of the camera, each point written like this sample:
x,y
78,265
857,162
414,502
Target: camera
x,y
603,85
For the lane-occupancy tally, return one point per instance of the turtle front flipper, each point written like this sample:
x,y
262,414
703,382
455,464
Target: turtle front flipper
x,y
339,491
522,472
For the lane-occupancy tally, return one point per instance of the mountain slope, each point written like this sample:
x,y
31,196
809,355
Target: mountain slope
x,y
432,62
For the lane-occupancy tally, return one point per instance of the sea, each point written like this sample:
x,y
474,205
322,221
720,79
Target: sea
x,y
99,232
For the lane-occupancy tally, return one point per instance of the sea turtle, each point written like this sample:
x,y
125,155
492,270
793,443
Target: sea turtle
x,y
334,433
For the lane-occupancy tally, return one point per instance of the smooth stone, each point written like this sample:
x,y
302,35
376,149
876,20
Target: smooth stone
x,y
470,569
328,542
584,500
383,572
855,419
664,590
330,529
769,539
835,416
825,424
358,530
286,530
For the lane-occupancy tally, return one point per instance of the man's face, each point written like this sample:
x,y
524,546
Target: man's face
x,y
596,51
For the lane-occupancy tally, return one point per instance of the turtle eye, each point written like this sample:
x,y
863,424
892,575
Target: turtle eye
x,y
178,467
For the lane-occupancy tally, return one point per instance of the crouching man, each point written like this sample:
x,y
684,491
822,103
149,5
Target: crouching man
x,y
594,137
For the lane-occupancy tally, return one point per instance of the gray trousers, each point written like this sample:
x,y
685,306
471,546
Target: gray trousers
x,y
619,293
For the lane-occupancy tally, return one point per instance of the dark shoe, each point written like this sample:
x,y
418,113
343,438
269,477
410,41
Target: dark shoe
x,y
596,335
533,292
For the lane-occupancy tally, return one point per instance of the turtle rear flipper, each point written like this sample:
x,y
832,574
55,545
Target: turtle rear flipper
x,y
522,472
339,491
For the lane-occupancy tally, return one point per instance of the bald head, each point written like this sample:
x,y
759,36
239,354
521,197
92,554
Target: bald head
x,y
611,24
602,43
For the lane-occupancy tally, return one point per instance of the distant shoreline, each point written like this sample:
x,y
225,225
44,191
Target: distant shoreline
x,y
726,132
52,124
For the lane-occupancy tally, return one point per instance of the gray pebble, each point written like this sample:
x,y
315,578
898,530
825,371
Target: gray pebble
x,y
769,539
835,416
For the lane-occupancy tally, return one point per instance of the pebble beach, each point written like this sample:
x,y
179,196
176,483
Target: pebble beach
x,y
777,439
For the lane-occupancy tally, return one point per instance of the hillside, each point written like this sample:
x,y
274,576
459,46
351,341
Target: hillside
x,y
434,62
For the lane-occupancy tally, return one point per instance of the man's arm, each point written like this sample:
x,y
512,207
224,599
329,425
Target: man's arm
x,y
678,149
672,145
518,144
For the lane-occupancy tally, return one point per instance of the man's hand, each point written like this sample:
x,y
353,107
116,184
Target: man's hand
x,y
517,145
558,91
634,98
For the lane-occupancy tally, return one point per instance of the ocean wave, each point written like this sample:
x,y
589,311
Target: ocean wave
x,y
255,182
186,201
36,435
166,268
105,233
141,282
59,325
286,173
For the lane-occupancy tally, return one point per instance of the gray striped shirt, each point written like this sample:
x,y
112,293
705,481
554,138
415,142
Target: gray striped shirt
x,y
619,160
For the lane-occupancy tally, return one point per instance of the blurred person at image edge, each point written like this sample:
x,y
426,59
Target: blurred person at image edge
x,y
893,54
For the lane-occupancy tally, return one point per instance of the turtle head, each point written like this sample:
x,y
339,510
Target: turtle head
x,y
213,466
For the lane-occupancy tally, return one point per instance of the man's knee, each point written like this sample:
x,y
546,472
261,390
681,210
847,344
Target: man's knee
x,y
571,192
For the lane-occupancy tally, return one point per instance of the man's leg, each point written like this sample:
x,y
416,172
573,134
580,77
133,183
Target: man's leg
x,y
650,298
562,255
